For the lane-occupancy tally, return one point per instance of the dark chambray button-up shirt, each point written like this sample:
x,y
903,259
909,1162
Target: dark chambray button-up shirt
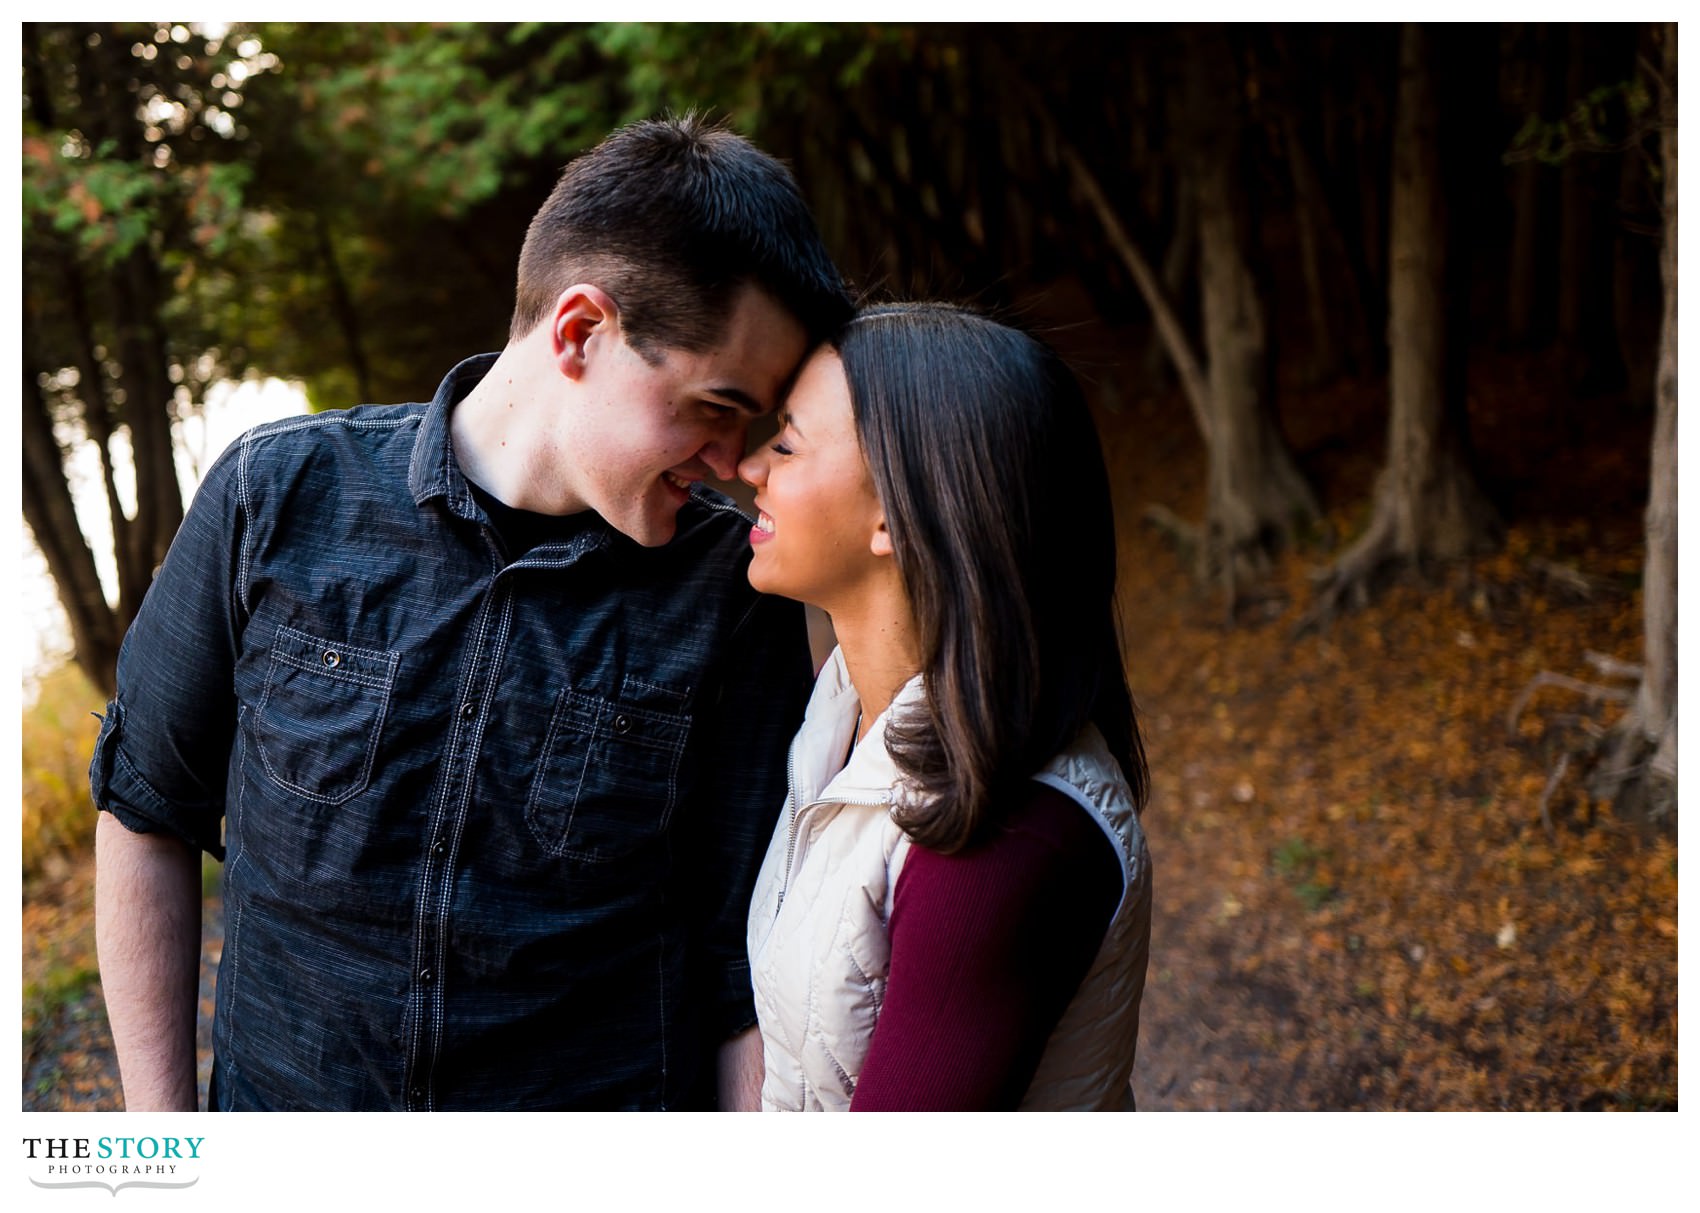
x,y
489,827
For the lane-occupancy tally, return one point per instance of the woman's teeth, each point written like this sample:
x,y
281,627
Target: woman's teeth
x,y
764,523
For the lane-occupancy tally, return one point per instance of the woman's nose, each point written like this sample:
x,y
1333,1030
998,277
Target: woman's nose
x,y
752,470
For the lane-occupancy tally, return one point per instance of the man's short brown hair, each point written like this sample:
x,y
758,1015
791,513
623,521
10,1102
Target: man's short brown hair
x,y
671,217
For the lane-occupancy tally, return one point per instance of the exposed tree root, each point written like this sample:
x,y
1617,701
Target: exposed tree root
x,y
1546,678
1553,781
1348,582
1635,771
1567,578
1185,537
1638,772
1235,569
1612,667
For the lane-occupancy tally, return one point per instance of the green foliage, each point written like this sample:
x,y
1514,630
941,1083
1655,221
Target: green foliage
x,y
1606,119
134,164
105,207
61,985
437,118
1306,868
59,733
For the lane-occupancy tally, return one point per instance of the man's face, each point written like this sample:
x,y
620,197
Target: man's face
x,y
642,433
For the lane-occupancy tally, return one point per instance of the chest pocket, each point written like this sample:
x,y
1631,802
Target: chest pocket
x,y
608,779
317,725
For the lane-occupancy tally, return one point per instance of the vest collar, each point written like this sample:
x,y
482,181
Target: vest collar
x,y
819,769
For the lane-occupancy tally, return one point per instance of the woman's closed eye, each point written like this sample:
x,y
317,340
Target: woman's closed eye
x,y
779,448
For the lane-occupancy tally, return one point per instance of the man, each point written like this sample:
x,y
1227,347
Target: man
x,y
493,724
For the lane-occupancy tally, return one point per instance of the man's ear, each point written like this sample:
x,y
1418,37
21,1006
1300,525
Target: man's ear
x,y
584,316
880,544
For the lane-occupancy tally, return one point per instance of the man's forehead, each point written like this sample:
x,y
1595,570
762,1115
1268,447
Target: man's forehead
x,y
753,361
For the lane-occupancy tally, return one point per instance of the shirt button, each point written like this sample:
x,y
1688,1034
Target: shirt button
x,y
440,848
416,1094
469,709
332,659
622,724
426,977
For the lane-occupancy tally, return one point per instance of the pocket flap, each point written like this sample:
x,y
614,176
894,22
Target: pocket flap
x,y
370,667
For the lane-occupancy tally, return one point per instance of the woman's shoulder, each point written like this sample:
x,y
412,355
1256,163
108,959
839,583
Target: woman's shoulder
x,y
1043,840
1053,820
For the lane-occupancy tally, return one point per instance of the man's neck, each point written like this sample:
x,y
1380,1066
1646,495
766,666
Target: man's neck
x,y
500,441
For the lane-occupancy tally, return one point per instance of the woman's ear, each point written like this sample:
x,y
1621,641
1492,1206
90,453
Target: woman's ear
x,y
880,544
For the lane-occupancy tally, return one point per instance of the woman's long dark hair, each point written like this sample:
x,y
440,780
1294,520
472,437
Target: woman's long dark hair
x,y
990,473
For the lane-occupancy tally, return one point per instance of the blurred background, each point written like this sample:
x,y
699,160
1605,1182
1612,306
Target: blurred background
x,y
1379,327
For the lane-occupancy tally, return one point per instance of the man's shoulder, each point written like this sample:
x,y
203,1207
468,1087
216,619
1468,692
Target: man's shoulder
x,y
711,507
308,428
712,522
709,555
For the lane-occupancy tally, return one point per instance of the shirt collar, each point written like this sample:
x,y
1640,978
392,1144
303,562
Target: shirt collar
x,y
434,471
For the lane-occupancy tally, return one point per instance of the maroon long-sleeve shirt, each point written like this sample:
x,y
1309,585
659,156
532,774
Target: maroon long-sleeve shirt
x,y
987,949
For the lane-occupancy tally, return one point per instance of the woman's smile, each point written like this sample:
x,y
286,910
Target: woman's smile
x,y
817,509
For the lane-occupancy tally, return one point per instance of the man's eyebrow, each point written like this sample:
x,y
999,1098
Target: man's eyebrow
x,y
739,397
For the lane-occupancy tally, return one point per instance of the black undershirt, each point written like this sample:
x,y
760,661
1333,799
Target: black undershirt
x,y
522,530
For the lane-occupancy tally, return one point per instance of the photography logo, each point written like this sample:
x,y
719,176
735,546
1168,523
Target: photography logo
x,y
113,1163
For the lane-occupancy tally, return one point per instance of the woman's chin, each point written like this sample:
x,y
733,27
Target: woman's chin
x,y
765,581
762,579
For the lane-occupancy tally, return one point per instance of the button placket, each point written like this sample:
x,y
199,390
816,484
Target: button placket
x,y
459,764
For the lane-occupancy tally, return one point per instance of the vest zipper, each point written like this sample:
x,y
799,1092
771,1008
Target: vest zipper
x,y
797,811
791,840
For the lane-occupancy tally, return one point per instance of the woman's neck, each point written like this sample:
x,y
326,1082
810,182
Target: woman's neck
x,y
881,652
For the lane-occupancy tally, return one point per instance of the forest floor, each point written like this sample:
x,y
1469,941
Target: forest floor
x,y
1359,903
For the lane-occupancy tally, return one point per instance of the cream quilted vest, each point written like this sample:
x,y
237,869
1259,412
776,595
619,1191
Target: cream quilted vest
x,y
817,935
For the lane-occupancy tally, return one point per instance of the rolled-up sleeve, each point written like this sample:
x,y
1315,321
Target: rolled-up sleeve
x,y
162,760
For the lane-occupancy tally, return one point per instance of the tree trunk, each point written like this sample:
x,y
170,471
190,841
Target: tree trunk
x,y
1656,704
92,387
1428,503
137,296
52,518
147,407
1257,497
1640,767
1194,382
133,572
1177,266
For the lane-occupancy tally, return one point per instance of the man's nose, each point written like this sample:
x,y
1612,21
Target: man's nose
x,y
722,454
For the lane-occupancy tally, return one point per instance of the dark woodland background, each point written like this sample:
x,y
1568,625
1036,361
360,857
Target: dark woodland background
x,y
1379,322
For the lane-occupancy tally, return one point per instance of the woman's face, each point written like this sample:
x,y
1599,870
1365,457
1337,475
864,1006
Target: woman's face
x,y
820,532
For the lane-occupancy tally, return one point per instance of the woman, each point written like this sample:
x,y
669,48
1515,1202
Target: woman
x,y
955,909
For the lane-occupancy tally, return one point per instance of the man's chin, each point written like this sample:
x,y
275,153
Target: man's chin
x,y
649,532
